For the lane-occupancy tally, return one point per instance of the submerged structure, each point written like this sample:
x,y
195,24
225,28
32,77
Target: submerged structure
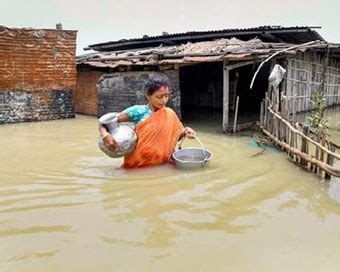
x,y
37,74
210,72
225,75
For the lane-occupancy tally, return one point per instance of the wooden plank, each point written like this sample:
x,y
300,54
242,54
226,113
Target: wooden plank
x,y
304,86
240,64
236,113
262,113
295,145
330,160
284,114
304,145
309,85
289,89
322,154
265,120
225,97
294,109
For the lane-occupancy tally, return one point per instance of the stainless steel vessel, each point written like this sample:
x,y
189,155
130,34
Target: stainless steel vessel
x,y
125,136
191,157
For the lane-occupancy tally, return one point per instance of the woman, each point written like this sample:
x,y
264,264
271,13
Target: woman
x,y
157,127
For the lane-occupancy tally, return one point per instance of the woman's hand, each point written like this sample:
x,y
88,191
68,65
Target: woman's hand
x,y
110,143
189,132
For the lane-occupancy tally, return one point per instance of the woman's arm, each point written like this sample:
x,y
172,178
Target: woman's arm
x,y
123,117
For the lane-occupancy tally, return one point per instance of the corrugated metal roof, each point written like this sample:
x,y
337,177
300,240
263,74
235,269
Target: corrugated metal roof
x,y
189,53
298,34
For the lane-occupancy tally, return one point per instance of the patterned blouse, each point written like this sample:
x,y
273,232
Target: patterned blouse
x,y
138,113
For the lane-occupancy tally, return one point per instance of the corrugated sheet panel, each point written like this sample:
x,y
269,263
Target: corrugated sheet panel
x,y
299,34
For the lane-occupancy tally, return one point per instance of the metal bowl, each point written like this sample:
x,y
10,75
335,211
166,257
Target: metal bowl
x,y
191,158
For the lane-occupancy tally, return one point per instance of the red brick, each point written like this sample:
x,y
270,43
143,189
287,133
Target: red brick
x,y
86,93
37,59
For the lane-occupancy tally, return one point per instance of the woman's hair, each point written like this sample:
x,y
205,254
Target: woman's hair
x,y
155,82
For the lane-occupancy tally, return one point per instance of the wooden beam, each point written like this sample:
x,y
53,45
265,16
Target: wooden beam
x,y
240,64
225,96
168,67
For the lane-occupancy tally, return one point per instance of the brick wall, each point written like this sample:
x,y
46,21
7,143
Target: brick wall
x,y
118,91
37,74
86,93
35,106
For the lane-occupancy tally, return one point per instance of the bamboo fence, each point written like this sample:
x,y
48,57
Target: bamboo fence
x,y
307,74
278,116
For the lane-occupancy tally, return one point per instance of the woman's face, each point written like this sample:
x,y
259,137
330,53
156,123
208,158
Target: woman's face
x,y
159,98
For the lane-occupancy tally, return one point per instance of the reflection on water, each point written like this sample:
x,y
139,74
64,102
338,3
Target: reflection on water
x,y
64,205
334,190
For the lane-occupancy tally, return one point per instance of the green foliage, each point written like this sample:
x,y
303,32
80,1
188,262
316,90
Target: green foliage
x,y
316,119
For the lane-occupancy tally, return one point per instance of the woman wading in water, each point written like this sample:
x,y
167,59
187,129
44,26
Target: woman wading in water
x,y
157,127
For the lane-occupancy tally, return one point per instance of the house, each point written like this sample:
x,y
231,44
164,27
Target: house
x,y
210,72
37,74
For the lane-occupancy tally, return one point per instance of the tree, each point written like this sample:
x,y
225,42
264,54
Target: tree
x,y
317,121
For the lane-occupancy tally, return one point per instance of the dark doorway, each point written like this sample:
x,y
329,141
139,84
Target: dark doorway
x,y
201,88
249,100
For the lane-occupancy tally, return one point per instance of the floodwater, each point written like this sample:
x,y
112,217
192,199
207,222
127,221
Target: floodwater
x,y
65,206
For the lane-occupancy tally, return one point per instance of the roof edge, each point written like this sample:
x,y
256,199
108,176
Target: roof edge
x,y
192,35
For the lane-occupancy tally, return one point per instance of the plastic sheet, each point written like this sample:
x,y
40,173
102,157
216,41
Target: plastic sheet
x,y
276,75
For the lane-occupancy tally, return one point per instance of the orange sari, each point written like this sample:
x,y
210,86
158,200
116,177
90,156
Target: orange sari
x,y
157,138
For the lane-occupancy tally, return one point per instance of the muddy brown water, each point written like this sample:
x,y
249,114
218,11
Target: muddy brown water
x,y
65,206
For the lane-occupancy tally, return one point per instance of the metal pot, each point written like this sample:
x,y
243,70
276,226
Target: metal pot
x,y
125,136
191,158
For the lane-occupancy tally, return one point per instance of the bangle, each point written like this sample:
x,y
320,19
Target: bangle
x,y
105,135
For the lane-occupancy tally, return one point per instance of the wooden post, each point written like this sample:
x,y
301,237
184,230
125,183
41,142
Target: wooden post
x,y
292,137
225,97
236,113
317,152
296,145
304,147
289,88
322,154
294,108
283,114
261,114
309,83
330,159
265,121
270,122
